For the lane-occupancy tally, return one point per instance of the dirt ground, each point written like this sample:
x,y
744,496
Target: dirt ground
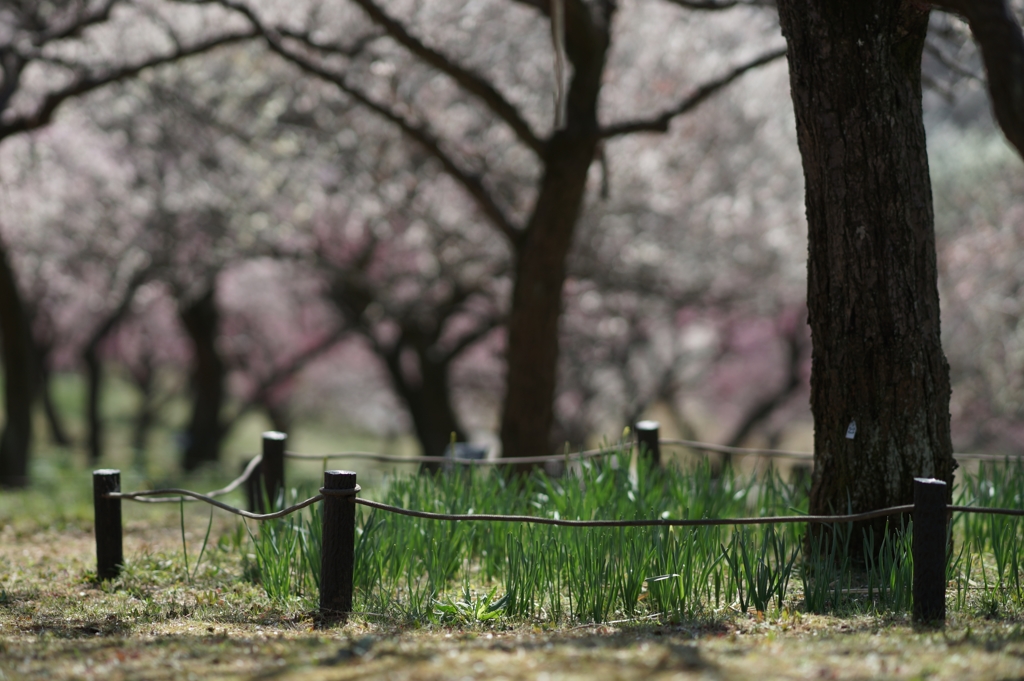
x,y
55,623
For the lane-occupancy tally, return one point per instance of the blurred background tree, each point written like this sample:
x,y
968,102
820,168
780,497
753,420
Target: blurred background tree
x,y
52,51
349,234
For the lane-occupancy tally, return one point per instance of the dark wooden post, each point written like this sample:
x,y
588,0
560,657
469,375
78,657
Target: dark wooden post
x,y
339,539
272,470
107,516
930,524
253,487
647,441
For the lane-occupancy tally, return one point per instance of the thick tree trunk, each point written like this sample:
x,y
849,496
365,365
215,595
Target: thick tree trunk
x,y
19,385
201,320
879,383
532,355
427,395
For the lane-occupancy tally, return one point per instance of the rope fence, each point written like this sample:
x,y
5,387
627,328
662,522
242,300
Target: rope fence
x,y
247,472
339,495
504,461
196,496
604,451
656,522
274,451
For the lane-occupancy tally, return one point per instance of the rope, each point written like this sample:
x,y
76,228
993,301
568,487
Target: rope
x,y
136,496
724,449
971,456
985,509
394,458
591,453
230,487
351,492
536,520
807,456
660,522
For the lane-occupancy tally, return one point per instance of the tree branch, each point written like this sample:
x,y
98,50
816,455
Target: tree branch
x,y
471,182
468,80
75,27
282,373
108,323
13,65
487,325
715,5
350,51
43,113
949,62
661,122
542,6
767,405
999,36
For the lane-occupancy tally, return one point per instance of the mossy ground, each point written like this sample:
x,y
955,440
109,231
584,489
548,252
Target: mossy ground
x,y
57,623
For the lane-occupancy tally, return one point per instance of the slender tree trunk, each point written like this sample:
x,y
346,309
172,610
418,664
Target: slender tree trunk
x,y
145,414
44,382
94,366
880,383
15,443
532,355
201,320
279,414
94,389
427,396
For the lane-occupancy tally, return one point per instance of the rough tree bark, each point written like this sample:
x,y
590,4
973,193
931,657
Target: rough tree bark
x,y
201,320
879,381
19,382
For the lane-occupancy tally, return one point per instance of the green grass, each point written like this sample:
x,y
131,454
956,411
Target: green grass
x,y
411,569
487,600
61,488
416,570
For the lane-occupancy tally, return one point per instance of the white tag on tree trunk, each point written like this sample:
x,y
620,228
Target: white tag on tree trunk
x,y
851,431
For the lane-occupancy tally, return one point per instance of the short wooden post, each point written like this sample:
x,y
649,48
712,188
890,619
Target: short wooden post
x,y
272,469
339,539
930,524
253,487
647,441
107,517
